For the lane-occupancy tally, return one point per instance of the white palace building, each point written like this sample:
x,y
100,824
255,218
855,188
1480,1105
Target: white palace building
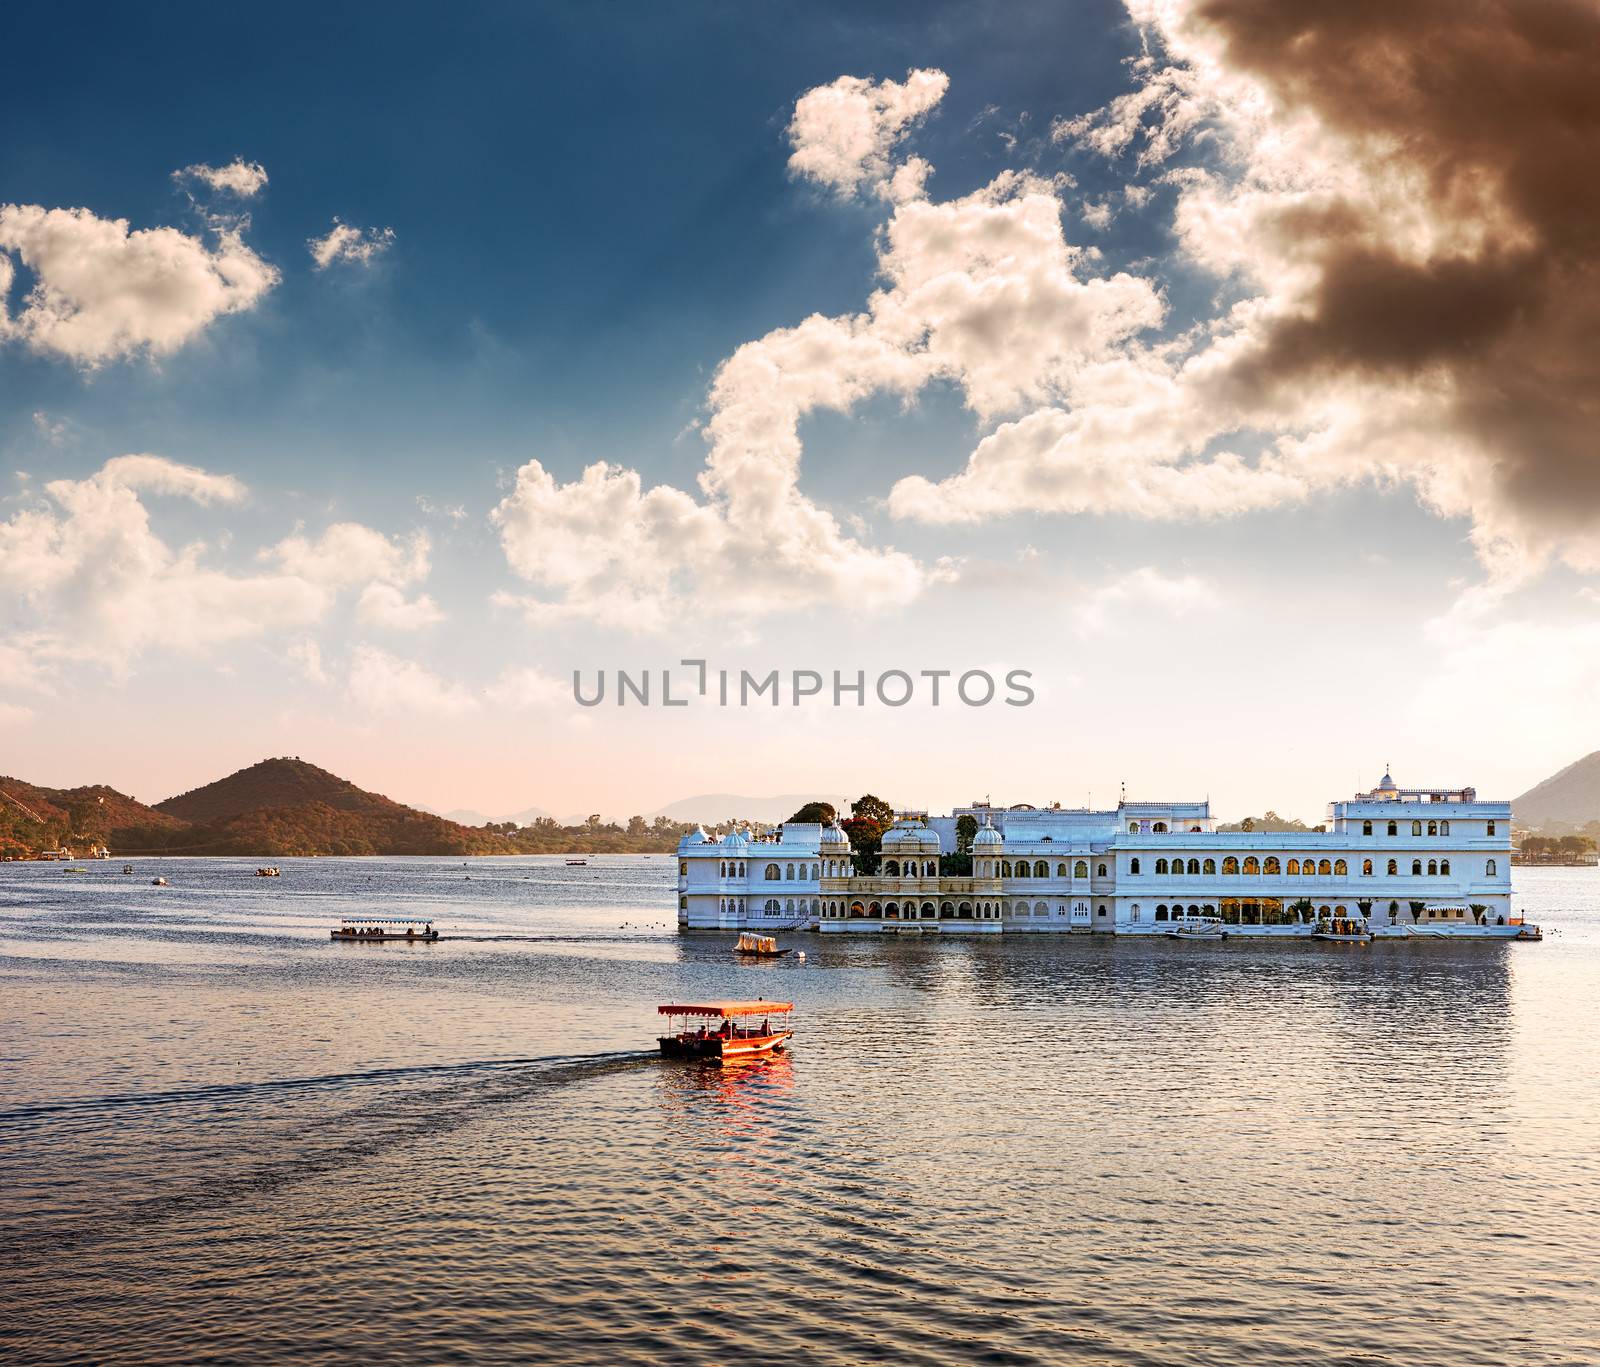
x,y
1406,861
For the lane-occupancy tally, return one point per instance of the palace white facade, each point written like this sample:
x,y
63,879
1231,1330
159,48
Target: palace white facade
x,y
1407,861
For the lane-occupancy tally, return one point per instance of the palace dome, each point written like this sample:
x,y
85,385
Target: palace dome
x,y
911,837
697,836
987,836
834,835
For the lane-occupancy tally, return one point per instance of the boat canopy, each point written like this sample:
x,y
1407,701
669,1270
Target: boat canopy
x,y
725,1010
385,921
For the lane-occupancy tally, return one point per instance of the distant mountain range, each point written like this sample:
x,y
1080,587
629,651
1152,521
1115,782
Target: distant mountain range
x,y
718,807
280,807
1569,798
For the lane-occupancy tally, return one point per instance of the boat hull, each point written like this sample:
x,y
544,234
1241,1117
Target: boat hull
x,y
379,939
718,1049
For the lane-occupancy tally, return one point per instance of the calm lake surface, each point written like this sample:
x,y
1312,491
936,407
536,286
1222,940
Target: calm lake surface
x,y
225,1137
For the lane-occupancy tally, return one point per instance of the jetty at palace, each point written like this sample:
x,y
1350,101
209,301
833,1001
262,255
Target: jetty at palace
x,y
1403,861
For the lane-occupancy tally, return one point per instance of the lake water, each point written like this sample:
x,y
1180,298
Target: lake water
x,y
225,1137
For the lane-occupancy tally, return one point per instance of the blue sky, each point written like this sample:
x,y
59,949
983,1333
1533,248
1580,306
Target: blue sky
x,y
590,210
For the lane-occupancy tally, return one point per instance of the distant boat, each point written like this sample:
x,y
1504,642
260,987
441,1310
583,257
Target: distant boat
x,y
270,871
729,1041
127,868
75,869
1345,930
758,946
577,863
374,930
1197,928
158,882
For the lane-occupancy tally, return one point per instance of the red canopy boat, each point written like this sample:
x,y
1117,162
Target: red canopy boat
x,y
729,1039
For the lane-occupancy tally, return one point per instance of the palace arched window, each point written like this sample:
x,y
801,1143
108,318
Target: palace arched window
x,y
1308,868
1160,826
1194,866
1161,866
1340,868
1416,868
1041,869
1133,867
1394,868
1101,910
1444,867
1489,868
1444,828
1433,868
1366,868
1230,865
1366,828
1133,828
892,868
1294,868
1061,870
773,872
1081,869
1270,865
815,870
772,906
1252,865
1394,829
788,872
722,870
1099,870
1005,868
1161,912
1416,828
1433,828
1024,869
1210,866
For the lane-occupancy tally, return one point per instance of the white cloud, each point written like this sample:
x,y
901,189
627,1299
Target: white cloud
x,y
306,655
842,134
383,683
349,553
386,606
983,292
239,177
90,579
1131,595
528,689
103,291
344,243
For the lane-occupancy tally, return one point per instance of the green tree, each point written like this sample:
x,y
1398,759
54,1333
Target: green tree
x,y
636,826
966,832
814,813
869,807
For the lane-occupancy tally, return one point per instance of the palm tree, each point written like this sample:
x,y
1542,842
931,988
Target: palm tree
x,y
1480,912
1302,909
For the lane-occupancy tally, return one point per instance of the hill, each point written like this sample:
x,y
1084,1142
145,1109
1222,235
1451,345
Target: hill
x,y
275,783
710,807
1569,798
283,807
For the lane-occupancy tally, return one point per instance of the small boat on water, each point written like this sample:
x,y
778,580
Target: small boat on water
x,y
1344,929
1197,928
76,868
158,882
758,947
268,871
730,1040
577,863
127,868
375,930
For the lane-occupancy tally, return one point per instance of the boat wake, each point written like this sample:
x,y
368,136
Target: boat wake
x,y
254,1153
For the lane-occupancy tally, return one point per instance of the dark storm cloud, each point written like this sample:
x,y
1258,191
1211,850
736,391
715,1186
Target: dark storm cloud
x,y
1494,106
